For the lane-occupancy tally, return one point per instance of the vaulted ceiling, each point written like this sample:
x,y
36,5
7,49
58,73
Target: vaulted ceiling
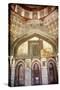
x,y
34,19
32,7
33,11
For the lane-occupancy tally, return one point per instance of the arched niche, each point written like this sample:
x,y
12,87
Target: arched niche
x,y
36,72
52,71
20,73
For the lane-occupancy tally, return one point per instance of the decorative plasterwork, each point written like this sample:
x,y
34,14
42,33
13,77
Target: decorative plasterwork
x,y
33,14
46,27
19,27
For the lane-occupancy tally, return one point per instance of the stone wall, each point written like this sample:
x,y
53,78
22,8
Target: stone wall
x,y
21,27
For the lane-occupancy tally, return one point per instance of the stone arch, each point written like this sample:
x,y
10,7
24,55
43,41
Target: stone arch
x,y
27,36
52,71
35,60
36,72
20,73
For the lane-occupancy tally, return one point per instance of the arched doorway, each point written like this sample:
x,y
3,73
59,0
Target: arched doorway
x,y
52,72
36,73
20,74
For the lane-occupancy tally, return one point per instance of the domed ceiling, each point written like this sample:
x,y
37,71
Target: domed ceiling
x,y
27,19
32,7
33,11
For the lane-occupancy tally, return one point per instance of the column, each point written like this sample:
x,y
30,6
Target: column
x,y
23,12
12,72
44,71
38,13
28,72
30,15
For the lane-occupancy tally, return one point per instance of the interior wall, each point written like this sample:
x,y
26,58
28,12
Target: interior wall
x,y
23,48
20,26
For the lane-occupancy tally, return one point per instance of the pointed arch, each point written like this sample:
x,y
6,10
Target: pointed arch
x,y
52,71
25,37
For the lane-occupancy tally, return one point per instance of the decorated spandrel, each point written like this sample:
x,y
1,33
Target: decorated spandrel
x,y
33,44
